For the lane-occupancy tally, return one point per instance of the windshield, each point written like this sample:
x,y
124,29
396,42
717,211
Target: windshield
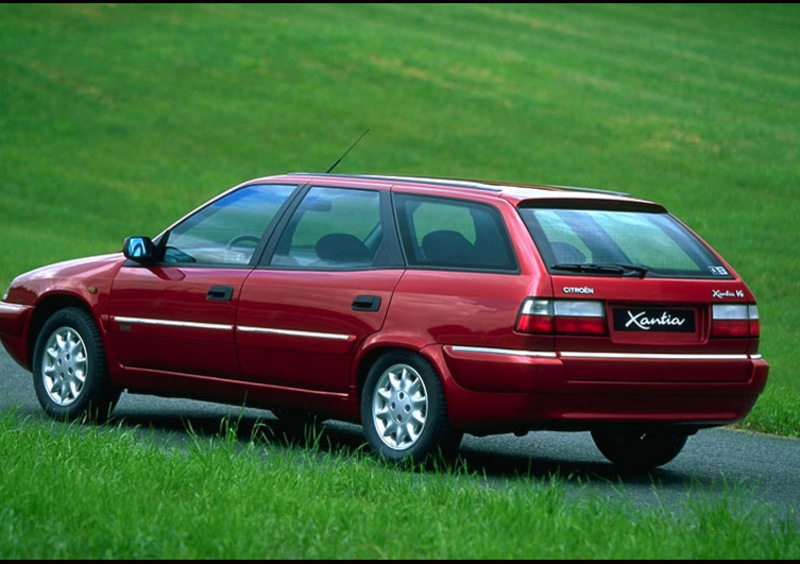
x,y
623,242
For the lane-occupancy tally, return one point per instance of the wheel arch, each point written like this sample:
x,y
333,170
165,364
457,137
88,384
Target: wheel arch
x,y
431,353
46,307
427,435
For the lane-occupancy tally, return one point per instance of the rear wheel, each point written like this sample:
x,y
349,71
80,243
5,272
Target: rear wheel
x,y
70,375
403,410
637,449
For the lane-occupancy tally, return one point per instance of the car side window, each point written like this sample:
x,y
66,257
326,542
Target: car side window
x,y
332,229
227,231
450,233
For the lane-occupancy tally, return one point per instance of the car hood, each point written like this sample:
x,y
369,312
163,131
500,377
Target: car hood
x,y
89,275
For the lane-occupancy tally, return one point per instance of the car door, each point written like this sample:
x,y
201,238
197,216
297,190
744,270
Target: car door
x,y
324,286
177,315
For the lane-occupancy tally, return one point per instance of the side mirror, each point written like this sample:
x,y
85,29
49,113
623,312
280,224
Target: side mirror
x,y
140,249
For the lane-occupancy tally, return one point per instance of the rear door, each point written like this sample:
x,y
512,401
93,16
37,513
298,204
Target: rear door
x,y
324,285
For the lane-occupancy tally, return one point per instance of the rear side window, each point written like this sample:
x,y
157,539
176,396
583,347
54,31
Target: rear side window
x,y
453,234
644,242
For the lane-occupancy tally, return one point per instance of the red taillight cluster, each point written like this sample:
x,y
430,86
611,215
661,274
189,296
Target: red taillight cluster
x,y
572,317
735,320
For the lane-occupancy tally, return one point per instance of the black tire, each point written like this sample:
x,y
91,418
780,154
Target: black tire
x,y
70,374
639,450
403,410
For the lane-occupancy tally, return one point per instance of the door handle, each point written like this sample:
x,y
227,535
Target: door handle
x,y
366,303
220,294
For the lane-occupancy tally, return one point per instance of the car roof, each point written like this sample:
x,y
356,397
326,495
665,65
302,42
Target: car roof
x,y
514,192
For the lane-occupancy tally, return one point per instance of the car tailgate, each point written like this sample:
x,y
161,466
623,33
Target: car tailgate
x,y
656,329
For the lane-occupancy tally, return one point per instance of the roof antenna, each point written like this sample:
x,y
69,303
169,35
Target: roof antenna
x,y
334,165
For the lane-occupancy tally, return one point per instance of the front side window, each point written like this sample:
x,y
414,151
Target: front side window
x,y
453,234
605,241
332,229
227,231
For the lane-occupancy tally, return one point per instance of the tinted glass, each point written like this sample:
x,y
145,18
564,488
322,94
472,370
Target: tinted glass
x,y
653,243
450,233
332,228
227,231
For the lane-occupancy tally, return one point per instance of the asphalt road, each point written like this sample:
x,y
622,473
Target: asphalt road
x,y
715,464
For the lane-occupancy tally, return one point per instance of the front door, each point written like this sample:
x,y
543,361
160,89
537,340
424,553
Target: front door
x,y
176,319
177,315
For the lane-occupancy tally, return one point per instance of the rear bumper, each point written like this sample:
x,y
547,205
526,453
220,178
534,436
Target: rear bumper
x,y
508,390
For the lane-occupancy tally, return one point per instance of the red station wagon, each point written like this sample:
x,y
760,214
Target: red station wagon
x,y
420,308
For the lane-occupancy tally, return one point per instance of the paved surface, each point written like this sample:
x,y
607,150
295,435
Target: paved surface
x,y
715,463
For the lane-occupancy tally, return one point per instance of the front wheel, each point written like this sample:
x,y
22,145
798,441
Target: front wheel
x,y
639,450
70,375
403,410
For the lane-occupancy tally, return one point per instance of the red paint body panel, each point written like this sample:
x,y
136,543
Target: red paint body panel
x,y
160,318
533,394
239,392
13,323
84,281
298,328
464,308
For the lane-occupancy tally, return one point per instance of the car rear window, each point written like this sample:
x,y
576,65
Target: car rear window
x,y
630,240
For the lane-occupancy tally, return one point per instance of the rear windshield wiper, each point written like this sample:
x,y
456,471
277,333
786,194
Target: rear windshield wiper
x,y
592,268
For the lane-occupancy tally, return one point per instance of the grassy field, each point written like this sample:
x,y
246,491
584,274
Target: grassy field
x,y
104,493
116,119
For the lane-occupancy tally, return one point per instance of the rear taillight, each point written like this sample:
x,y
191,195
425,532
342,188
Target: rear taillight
x,y
572,317
735,320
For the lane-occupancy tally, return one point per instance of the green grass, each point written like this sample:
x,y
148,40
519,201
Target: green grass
x,y
116,119
104,493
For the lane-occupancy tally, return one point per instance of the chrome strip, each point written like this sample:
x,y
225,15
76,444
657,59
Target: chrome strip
x,y
507,352
312,334
599,355
168,323
13,307
648,356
